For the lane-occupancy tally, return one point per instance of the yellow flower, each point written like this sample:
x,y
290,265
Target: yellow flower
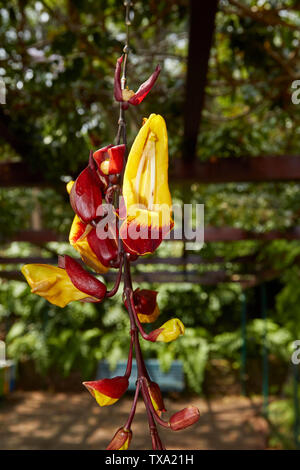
x,y
52,283
145,189
63,284
169,331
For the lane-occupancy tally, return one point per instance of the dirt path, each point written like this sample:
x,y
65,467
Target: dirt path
x,y
39,420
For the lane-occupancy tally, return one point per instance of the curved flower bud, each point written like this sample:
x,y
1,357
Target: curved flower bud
x,y
54,284
146,305
184,418
86,195
107,391
145,189
110,159
95,252
83,280
169,331
156,397
129,96
121,440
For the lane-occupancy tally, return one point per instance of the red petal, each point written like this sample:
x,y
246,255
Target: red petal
x,y
106,250
85,196
117,80
145,300
84,281
144,89
115,155
154,334
144,243
116,160
101,154
113,388
184,418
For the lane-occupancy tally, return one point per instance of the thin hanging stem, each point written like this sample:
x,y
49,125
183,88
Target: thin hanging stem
x,y
129,360
115,289
133,407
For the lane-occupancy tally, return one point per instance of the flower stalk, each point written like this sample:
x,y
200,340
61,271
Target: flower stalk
x,y
141,178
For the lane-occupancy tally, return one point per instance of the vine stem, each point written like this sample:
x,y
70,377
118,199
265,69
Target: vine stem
x,y
115,289
124,267
133,407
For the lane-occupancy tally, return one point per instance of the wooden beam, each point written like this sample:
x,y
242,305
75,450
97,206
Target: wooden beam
x,y
219,170
193,277
38,236
174,261
230,234
242,169
211,234
18,174
202,23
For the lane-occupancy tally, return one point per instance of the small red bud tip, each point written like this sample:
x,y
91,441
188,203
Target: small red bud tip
x,y
184,418
121,440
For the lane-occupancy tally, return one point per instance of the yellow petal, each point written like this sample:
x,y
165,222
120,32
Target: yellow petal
x,y
104,400
125,446
69,186
146,173
149,318
52,283
78,239
145,189
171,330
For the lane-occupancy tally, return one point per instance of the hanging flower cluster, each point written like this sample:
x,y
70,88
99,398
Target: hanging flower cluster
x,y
135,195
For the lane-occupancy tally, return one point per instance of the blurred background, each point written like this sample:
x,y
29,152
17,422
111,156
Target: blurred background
x,y
225,91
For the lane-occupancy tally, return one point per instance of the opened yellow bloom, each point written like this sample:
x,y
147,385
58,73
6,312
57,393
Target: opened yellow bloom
x,y
52,283
170,330
145,189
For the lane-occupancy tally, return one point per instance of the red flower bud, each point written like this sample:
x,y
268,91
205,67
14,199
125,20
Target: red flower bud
x,y
146,305
106,249
184,418
86,195
156,398
121,440
128,96
107,391
81,279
